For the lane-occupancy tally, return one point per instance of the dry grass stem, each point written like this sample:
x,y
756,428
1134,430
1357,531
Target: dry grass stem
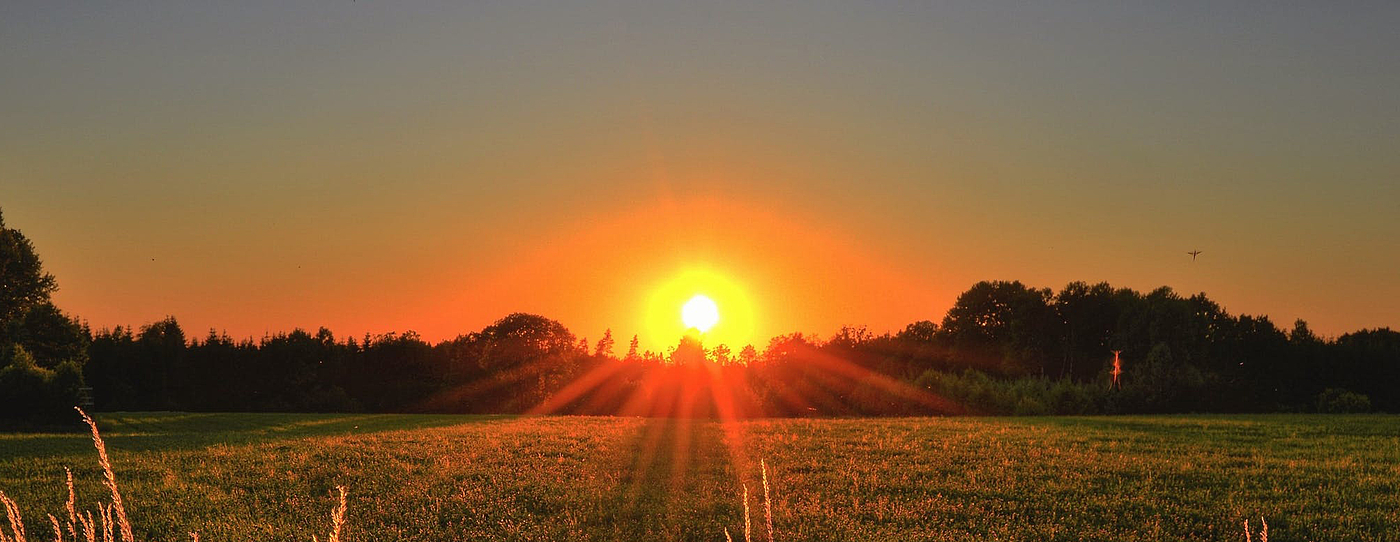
x,y
111,478
89,529
16,521
105,510
1263,531
747,528
71,505
338,516
767,501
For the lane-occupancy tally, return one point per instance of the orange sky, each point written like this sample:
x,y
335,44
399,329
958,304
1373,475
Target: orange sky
x,y
257,167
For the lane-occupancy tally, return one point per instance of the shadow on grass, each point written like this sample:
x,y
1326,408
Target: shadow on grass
x,y
669,472
169,431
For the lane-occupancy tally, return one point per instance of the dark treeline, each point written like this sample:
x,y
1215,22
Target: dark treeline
x,y
1003,348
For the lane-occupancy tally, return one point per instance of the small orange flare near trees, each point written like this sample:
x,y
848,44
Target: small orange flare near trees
x,y
1117,371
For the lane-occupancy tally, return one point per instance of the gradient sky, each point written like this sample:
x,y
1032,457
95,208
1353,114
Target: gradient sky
x,y
374,166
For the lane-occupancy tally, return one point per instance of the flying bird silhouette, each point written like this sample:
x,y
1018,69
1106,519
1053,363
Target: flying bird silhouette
x,y
1193,254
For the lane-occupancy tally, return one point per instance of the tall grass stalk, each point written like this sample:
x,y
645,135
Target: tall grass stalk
x,y
16,522
767,501
105,513
71,505
110,478
1263,531
89,529
767,509
337,519
747,528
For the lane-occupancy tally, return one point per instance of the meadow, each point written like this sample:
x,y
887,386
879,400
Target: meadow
x,y
245,477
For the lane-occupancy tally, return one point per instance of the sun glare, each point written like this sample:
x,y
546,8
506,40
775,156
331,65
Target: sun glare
x,y
700,313
690,301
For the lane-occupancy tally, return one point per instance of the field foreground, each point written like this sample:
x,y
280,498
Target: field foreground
x,y
244,477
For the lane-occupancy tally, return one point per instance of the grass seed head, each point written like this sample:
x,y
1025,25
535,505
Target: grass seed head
x,y
337,517
747,528
767,501
72,500
106,511
111,479
16,520
89,528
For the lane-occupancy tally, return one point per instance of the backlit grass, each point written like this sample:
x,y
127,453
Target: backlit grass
x,y
240,477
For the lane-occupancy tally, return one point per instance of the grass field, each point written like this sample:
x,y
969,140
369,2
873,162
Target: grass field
x,y
244,477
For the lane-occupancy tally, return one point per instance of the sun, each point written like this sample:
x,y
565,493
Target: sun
x,y
700,313
690,300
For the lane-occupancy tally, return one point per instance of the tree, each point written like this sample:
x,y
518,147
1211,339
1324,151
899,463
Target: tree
x,y
923,331
748,355
1090,317
688,351
1162,384
48,334
1007,325
34,387
850,338
605,345
785,347
632,350
162,347
23,282
1302,334
521,337
1369,363
721,354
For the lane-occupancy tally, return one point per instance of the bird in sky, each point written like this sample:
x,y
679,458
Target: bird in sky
x,y
1193,254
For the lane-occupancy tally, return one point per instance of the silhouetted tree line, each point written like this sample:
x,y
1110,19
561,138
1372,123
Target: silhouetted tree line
x,y
1003,348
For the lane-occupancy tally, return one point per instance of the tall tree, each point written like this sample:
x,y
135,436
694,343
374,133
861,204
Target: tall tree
x,y
23,282
1008,326
605,345
1090,317
49,335
34,388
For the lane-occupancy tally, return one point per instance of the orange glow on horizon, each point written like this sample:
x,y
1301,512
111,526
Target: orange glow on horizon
x,y
633,270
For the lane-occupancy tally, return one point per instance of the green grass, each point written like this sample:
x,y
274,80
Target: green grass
x,y
237,477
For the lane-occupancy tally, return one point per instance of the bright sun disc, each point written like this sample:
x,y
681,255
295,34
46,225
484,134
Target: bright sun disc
x,y
700,313
667,316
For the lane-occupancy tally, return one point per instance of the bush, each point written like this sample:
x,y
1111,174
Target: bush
x,y
1340,401
32,395
1026,396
